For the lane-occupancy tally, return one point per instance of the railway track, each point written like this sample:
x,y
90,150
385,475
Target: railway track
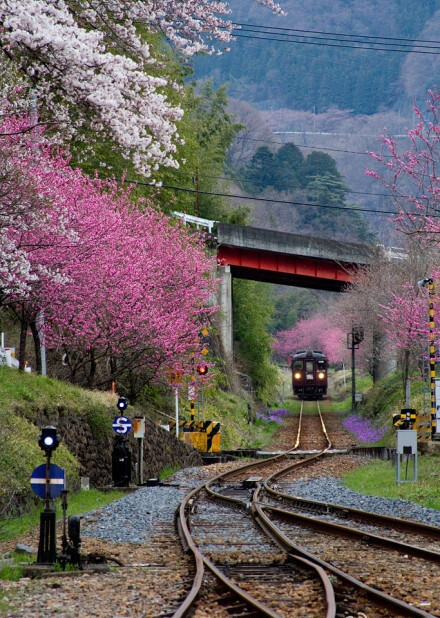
x,y
272,554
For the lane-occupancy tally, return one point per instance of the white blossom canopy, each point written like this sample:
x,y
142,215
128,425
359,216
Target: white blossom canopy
x,y
90,64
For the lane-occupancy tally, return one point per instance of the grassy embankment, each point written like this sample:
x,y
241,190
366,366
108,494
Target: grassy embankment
x,y
23,396
379,478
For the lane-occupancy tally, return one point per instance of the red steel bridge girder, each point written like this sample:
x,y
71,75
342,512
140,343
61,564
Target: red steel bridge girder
x,y
300,271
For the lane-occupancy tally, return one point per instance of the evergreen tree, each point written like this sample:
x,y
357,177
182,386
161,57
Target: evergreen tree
x,y
316,164
291,306
288,160
261,170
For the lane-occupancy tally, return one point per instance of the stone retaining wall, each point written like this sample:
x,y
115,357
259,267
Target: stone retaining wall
x,y
93,448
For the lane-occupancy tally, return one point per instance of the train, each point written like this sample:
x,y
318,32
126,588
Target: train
x,y
309,374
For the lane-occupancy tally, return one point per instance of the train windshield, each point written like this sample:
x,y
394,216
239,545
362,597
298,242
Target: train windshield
x,y
321,365
309,366
297,365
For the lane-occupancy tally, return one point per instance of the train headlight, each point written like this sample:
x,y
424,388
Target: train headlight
x,y
321,375
297,375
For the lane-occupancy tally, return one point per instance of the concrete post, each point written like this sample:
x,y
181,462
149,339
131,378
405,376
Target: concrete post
x,y
225,313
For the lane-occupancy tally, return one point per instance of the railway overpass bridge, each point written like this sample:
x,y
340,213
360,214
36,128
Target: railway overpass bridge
x,y
279,257
247,252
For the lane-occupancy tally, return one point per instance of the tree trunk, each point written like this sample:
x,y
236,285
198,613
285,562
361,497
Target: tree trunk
x,y
37,344
92,372
22,347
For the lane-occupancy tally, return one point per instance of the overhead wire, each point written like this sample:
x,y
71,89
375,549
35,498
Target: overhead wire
x,y
392,44
333,36
358,152
243,180
271,200
317,39
340,34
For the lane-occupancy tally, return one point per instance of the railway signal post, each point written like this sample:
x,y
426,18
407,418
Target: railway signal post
x,y
47,481
431,288
354,338
139,434
406,451
121,456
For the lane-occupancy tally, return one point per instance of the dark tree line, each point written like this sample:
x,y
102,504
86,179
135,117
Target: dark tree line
x,y
314,179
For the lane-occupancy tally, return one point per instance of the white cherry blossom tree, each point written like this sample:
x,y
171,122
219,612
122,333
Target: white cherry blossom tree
x,y
92,64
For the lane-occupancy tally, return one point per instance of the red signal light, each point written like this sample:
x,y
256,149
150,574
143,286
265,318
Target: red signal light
x,y
202,370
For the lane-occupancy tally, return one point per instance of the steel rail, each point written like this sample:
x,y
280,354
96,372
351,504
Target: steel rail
x,y
263,463
266,611
370,538
324,429
189,544
278,538
348,512
201,561
264,521
372,593
298,433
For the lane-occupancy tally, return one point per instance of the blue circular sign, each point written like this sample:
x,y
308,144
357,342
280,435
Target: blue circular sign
x,y
53,485
121,425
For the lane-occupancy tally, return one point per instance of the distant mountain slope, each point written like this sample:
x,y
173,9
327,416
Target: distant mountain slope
x,y
322,74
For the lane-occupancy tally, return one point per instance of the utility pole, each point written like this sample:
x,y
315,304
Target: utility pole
x,y
197,191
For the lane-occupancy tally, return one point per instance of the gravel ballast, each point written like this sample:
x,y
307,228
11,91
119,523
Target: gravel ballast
x,y
134,518
138,530
330,489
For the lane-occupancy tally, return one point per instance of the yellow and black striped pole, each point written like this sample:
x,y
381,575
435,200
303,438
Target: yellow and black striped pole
x,y
431,288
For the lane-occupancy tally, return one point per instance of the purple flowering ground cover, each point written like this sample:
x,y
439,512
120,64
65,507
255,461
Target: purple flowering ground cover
x,y
364,429
271,415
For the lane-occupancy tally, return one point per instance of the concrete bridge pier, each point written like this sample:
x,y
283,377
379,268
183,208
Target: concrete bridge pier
x,y
225,313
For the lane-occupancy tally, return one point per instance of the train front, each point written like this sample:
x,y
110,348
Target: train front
x,y
309,374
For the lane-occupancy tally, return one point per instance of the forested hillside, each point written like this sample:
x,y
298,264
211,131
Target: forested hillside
x,y
310,71
330,78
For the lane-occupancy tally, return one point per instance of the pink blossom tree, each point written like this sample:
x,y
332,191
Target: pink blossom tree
x,y
411,176
28,219
93,64
121,286
412,179
137,295
24,205
316,333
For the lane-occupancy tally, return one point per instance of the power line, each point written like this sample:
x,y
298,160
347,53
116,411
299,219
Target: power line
x,y
336,34
243,180
365,153
322,44
271,200
309,37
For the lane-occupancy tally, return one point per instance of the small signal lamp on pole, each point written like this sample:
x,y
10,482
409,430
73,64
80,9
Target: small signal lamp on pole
x,y
49,440
122,404
354,338
202,370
